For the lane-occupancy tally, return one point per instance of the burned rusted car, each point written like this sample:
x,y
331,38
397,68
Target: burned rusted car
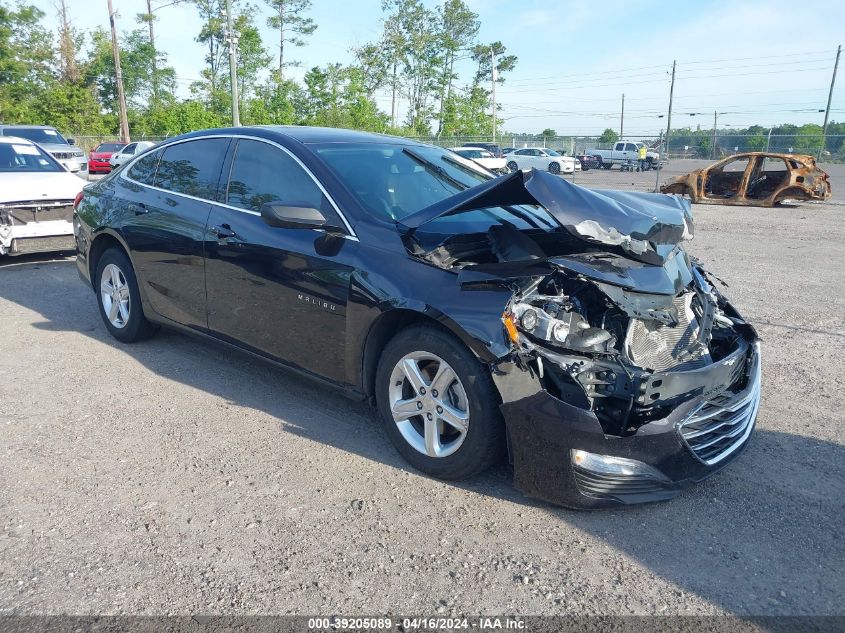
x,y
754,179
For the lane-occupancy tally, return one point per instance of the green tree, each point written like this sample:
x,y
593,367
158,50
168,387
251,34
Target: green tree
x,y
458,28
548,133
26,61
292,25
419,56
608,136
482,55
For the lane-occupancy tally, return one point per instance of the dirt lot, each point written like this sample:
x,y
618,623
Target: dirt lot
x,y
171,477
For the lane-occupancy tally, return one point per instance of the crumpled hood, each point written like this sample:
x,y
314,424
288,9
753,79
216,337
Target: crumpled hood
x,y
646,226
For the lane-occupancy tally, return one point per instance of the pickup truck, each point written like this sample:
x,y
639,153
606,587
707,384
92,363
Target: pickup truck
x,y
623,151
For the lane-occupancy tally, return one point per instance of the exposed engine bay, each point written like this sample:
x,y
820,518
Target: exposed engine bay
x,y
609,311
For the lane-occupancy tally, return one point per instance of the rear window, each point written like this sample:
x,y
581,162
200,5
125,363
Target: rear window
x,y
193,167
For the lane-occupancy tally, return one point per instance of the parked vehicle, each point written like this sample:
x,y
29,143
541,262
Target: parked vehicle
x,y
98,159
63,150
36,199
484,158
493,148
546,159
588,162
467,308
754,179
128,152
624,151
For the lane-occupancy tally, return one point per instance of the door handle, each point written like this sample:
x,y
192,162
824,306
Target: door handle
x,y
140,209
224,231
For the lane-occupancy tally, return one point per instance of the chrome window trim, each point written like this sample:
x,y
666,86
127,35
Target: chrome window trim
x,y
124,173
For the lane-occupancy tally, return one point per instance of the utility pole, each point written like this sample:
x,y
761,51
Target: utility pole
x,y
713,148
668,128
622,120
121,97
494,77
233,64
393,121
150,18
829,98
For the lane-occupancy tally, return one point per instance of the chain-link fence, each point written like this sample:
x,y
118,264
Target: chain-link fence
x,y
88,143
683,144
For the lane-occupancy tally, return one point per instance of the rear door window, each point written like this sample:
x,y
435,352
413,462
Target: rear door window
x,y
144,170
193,167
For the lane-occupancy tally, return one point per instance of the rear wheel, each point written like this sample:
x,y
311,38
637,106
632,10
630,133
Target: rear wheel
x,y
438,404
119,299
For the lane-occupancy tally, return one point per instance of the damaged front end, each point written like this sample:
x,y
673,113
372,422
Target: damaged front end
x,y
629,375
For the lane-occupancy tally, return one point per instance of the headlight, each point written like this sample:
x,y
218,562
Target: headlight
x,y
565,327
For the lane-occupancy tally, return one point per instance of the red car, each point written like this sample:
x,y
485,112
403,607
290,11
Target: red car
x,y
98,159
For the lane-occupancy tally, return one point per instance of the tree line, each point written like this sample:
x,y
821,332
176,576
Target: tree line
x,y
67,78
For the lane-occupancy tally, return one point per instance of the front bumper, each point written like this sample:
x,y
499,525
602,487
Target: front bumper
x,y
694,441
102,165
74,164
36,237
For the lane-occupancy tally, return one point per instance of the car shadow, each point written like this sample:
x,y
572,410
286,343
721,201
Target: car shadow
x,y
774,514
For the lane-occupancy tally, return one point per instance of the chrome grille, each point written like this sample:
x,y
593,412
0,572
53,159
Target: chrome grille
x,y
720,426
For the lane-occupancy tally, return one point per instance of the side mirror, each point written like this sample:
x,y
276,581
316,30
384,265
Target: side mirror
x,y
295,216
71,141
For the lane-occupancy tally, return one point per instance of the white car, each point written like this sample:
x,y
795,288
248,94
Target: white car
x,y
129,152
483,158
37,197
539,158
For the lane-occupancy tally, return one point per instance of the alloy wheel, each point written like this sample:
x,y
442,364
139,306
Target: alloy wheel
x,y
429,404
114,294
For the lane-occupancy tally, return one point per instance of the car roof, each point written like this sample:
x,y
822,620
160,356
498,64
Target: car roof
x,y
302,134
471,147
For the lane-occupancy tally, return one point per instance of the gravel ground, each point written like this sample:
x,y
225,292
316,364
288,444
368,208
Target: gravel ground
x,y
170,478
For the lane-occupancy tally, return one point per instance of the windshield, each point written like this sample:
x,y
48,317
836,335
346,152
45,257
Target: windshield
x,y
22,157
551,152
37,135
109,147
394,181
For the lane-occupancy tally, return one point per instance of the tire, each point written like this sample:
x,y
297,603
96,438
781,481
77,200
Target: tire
x,y
115,283
605,165
470,392
512,166
554,168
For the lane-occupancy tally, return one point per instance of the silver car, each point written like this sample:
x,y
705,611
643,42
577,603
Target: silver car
x,y
48,138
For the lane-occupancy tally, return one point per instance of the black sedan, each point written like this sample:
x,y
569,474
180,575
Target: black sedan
x,y
521,315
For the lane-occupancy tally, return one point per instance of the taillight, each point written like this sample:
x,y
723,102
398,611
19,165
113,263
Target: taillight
x,y
77,200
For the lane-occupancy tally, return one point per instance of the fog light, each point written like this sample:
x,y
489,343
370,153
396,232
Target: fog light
x,y
611,465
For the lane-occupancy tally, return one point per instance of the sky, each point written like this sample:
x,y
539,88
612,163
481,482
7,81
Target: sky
x,y
752,62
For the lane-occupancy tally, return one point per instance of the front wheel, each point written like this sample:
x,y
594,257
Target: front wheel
x,y
119,298
512,166
438,404
554,168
